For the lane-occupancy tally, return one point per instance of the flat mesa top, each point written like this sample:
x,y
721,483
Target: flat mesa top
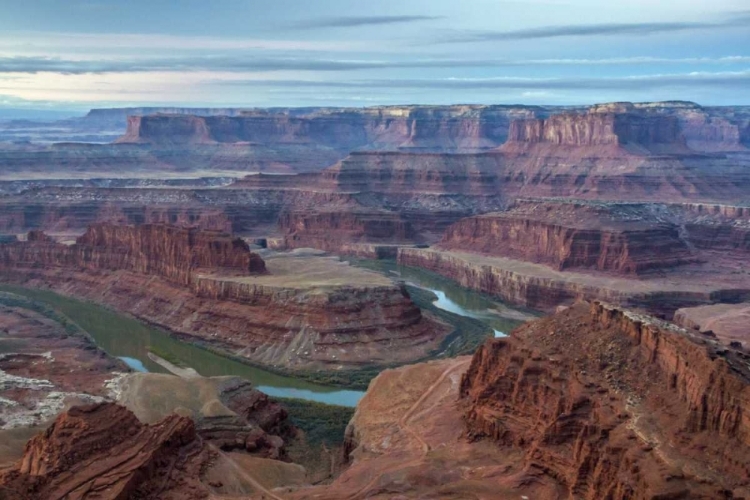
x,y
309,269
715,275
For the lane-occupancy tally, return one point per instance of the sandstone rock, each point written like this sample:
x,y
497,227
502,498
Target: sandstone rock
x,y
314,313
171,252
539,287
612,238
645,410
102,451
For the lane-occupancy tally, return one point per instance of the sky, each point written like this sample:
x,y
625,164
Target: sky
x,y
64,55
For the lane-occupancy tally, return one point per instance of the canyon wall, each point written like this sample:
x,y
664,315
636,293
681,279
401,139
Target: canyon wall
x,y
345,231
567,235
538,287
598,128
409,127
733,237
308,312
647,411
170,252
409,173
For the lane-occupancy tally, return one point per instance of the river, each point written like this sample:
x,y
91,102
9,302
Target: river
x,y
129,340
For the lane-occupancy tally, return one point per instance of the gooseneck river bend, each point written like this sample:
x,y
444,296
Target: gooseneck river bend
x,y
129,339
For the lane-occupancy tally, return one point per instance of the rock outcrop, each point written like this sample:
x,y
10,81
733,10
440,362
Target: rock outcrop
x,y
308,312
612,238
103,452
602,127
645,410
171,252
539,287
593,402
344,231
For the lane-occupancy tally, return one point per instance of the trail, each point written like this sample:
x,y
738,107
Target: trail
x,y
245,475
403,423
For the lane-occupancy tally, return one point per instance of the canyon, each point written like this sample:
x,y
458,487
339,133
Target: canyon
x,y
648,410
300,311
627,224
117,432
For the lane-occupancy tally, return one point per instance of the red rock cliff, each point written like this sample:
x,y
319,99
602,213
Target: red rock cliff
x,y
615,405
171,252
102,451
336,230
614,238
599,128
434,128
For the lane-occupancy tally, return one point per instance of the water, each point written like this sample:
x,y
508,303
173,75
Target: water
x,y
133,363
129,339
451,297
446,304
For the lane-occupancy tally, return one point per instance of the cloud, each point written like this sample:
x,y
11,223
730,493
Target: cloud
x,y
739,79
52,42
605,29
356,21
237,64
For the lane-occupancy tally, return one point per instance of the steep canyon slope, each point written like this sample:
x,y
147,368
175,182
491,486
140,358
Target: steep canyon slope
x,y
647,410
294,310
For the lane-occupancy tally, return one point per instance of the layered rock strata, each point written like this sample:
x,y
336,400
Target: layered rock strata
x,y
102,451
309,312
167,251
539,287
413,127
615,152
612,238
726,322
654,134
346,232
647,410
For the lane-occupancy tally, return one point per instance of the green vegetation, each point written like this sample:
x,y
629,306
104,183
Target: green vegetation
x,y
468,333
166,356
321,423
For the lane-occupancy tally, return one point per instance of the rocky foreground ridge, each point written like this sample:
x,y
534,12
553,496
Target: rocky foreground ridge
x,y
102,451
592,402
644,410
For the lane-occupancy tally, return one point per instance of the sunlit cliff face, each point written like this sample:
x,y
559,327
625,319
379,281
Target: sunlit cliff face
x,y
250,53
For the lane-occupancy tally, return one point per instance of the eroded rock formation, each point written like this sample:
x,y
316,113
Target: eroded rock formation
x,y
539,287
102,451
612,238
310,312
420,127
344,231
645,410
592,402
171,252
